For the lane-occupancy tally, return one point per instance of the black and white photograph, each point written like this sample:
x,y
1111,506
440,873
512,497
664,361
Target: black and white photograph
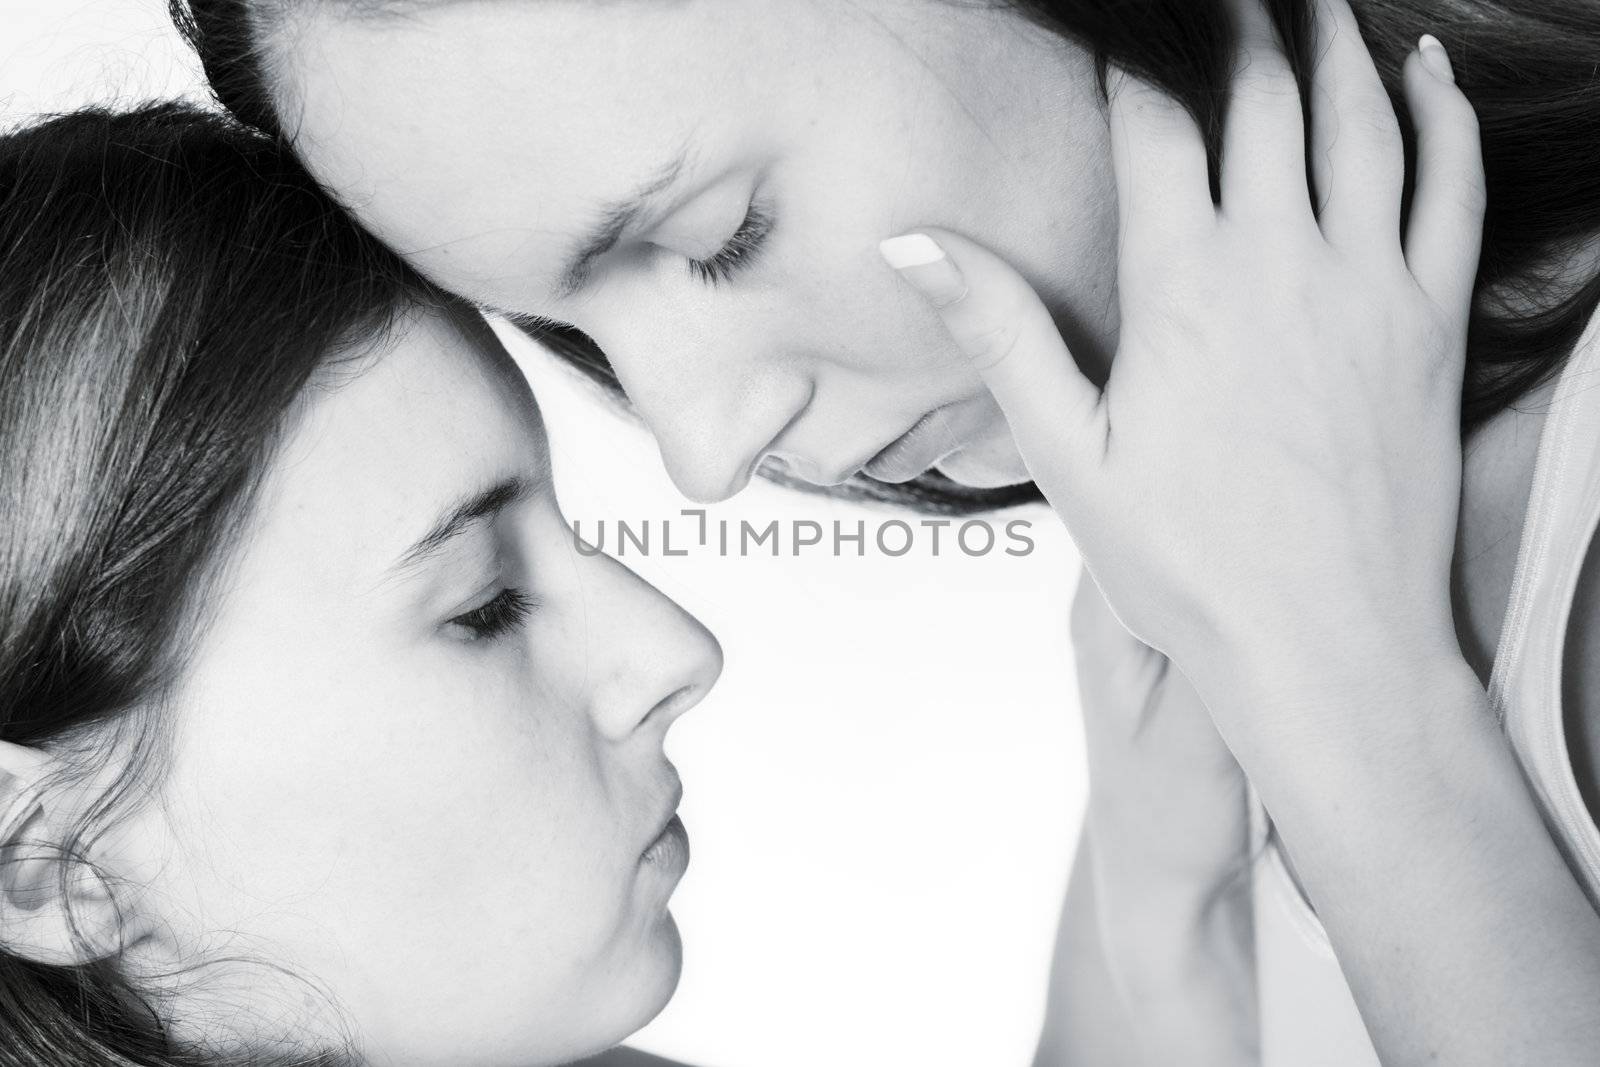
x,y
779,533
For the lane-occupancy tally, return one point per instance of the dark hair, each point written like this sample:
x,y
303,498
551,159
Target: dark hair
x,y
169,283
1527,65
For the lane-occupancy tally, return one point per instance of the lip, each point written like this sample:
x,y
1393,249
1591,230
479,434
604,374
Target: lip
x,y
669,852
665,825
809,472
927,442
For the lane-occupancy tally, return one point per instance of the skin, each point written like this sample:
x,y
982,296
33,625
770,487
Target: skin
x,y
479,168
852,120
978,151
524,124
1313,612
384,824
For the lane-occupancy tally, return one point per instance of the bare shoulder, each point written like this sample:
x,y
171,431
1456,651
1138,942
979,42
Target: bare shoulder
x,y
627,1057
1580,682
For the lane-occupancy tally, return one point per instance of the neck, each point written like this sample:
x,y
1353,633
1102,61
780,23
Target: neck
x,y
1497,477
1497,481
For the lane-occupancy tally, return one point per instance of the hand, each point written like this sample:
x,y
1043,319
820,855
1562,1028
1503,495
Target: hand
x,y
1274,463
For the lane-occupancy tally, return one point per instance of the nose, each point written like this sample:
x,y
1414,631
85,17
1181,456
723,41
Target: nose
x,y
650,661
714,404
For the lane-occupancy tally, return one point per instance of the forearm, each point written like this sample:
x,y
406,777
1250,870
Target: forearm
x,y
1463,935
1086,1021
1148,969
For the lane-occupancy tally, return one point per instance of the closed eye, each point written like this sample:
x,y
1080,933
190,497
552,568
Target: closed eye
x,y
740,250
505,612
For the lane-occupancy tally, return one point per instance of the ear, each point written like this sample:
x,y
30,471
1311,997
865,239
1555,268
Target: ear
x,y
54,907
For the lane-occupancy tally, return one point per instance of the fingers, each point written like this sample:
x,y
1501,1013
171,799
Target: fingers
x,y
1357,160
1263,149
1445,230
998,322
1163,188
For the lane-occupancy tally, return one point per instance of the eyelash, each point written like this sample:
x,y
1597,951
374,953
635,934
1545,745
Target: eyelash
x,y
738,252
508,610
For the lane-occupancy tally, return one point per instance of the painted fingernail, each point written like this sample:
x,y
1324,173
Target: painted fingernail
x,y
1435,58
921,261
911,250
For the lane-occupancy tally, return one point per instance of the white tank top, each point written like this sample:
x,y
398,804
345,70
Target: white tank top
x,y
1308,1016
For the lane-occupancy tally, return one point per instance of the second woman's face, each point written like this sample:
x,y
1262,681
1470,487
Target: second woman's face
x,y
417,793
701,187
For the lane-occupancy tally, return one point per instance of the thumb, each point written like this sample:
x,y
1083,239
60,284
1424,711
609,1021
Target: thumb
x,y
997,320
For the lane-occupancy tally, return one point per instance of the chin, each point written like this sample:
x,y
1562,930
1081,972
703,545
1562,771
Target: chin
x,y
632,992
657,975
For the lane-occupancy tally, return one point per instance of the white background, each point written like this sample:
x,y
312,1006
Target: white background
x,y
884,790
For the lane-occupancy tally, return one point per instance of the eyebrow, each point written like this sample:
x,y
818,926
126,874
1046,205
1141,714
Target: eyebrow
x,y
475,509
611,223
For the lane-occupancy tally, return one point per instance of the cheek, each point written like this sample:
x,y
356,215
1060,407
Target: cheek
x,y
401,827
827,258
879,329
822,298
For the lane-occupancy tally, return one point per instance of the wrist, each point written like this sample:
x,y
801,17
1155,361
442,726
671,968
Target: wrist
x,y
1395,733
1358,685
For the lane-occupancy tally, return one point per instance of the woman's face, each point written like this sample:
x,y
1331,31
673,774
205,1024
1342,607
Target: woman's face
x,y
418,776
730,167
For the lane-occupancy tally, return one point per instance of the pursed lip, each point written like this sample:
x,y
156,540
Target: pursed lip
x,y
674,793
922,445
903,457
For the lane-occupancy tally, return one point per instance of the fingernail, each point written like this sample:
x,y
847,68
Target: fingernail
x,y
920,261
1435,58
910,250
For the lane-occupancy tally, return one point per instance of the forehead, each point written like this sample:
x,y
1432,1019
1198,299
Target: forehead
x,y
480,138
383,444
